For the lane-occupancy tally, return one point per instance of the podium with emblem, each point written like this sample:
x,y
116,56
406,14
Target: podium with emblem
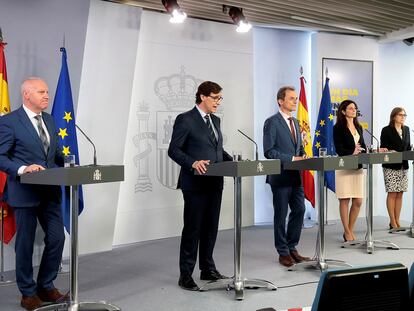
x,y
321,165
74,177
237,170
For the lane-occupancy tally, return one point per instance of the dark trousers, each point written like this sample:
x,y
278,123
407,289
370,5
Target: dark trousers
x,y
201,218
50,219
284,197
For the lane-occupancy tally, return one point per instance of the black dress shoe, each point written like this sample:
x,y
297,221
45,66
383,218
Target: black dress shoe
x,y
187,282
211,275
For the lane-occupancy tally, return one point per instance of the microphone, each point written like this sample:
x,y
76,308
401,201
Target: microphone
x,y
93,145
257,148
372,135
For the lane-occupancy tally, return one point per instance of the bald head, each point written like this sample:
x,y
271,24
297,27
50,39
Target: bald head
x,y
35,94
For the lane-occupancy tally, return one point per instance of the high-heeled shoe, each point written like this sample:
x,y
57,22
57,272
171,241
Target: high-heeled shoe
x,y
345,240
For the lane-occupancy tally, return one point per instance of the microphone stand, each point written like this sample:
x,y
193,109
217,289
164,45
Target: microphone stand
x,y
372,135
257,148
93,145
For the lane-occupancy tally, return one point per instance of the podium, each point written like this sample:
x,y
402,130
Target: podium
x,y
74,177
321,165
369,159
237,170
407,155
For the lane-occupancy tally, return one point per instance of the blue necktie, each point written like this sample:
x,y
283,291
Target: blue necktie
x,y
210,129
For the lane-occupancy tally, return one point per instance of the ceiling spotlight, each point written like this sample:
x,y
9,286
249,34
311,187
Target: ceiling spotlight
x,y
238,18
409,41
177,15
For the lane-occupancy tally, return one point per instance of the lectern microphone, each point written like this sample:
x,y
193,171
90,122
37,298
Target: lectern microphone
x,y
372,135
93,145
257,148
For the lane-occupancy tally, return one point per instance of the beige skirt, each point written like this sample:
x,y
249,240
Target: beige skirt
x,y
350,184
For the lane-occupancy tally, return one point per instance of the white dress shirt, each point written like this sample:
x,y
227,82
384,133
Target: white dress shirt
x,y
32,118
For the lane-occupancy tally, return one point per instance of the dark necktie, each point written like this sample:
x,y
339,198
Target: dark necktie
x,y
42,133
210,129
292,129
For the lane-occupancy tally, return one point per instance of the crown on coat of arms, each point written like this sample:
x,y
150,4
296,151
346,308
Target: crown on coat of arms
x,y
177,91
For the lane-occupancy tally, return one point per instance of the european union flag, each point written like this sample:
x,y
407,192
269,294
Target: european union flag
x,y
324,132
64,116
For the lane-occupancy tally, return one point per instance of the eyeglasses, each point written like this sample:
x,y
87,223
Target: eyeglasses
x,y
402,115
216,98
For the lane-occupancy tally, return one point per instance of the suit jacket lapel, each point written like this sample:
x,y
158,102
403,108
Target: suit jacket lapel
x,y
24,119
199,120
283,122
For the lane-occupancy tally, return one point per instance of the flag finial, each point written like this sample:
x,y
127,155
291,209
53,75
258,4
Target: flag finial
x,y
1,36
63,43
301,70
326,72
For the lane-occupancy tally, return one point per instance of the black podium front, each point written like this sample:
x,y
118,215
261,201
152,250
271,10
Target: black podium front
x,y
74,177
237,170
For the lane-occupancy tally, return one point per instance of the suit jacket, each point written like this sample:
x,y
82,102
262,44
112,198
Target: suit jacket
x,y
391,140
21,145
344,141
278,144
190,142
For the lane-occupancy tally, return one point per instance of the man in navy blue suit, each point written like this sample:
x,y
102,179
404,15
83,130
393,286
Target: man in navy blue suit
x,y
195,143
29,143
282,140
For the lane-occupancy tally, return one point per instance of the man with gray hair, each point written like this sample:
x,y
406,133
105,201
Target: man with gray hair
x,y
29,143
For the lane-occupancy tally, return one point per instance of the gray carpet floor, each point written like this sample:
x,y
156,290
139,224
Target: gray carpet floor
x,y
144,276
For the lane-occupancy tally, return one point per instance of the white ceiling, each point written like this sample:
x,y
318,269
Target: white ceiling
x,y
386,19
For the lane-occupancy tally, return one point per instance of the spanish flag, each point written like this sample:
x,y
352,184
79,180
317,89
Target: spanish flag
x,y
9,221
303,118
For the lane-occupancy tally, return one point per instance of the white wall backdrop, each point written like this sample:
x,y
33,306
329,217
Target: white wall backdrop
x,y
395,89
104,99
172,60
278,56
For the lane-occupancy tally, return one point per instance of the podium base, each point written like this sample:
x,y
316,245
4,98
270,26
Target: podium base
x,y
81,306
370,245
6,282
319,264
403,229
238,286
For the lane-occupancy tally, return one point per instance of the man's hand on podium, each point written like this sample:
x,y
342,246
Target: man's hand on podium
x,y
201,166
33,168
300,158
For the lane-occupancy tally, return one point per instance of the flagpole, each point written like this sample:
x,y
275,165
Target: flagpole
x,y
64,268
3,280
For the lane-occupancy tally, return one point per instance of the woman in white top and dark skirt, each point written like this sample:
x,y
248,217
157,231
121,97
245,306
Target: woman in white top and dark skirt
x,y
395,136
349,184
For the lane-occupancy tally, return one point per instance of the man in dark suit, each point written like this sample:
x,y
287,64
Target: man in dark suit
x,y
282,140
196,142
29,143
